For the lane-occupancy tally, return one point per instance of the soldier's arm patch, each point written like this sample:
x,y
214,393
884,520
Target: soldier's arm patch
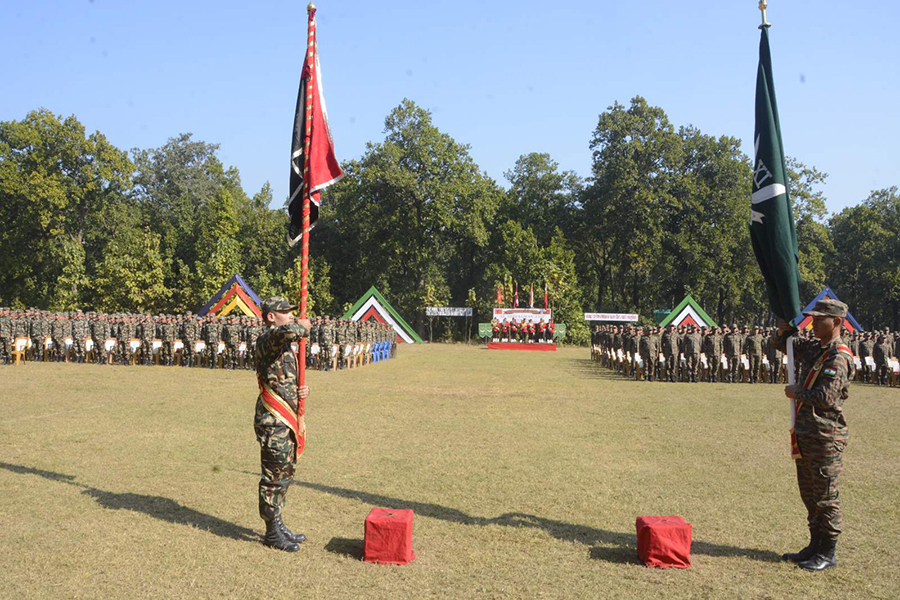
x,y
830,372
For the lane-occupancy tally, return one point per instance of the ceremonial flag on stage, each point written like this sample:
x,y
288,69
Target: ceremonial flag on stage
x,y
313,163
772,228
516,298
531,297
546,300
499,297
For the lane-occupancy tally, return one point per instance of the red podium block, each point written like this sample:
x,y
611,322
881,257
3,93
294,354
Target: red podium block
x,y
388,538
664,542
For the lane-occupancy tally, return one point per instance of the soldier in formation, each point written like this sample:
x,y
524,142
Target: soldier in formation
x,y
729,354
170,340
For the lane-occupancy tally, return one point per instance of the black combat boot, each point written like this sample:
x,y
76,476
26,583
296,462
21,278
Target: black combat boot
x,y
824,556
806,553
297,538
275,537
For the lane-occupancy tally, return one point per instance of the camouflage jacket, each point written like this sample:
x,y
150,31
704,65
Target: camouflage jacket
x,y
753,345
99,330
276,363
733,345
821,414
692,343
5,328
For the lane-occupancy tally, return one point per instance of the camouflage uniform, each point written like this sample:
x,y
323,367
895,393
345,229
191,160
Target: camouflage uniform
x,y
5,336
821,432
60,330
123,338
692,343
79,333
732,346
99,333
276,365
753,346
211,336
190,330
670,351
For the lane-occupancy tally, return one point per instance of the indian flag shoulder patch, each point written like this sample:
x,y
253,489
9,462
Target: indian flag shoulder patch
x,y
830,372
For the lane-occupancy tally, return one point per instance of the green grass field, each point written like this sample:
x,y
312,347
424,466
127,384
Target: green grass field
x,y
526,471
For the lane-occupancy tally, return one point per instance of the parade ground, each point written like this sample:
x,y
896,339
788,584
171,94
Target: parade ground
x,y
526,471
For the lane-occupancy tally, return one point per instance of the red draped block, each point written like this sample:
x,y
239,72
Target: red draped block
x,y
664,542
388,538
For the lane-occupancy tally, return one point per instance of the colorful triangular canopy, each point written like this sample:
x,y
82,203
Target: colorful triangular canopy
x,y
688,312
235,294
373,306
804,322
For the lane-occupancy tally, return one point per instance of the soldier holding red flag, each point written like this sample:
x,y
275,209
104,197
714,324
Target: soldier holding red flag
x,y
279,421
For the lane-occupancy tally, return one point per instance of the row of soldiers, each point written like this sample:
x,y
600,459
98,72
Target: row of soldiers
x,y
728,354
524,331
188,340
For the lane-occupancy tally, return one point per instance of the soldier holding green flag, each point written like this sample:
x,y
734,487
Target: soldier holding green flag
x,y
818,429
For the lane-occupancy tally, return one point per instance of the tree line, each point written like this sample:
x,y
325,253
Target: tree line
x,y
664,212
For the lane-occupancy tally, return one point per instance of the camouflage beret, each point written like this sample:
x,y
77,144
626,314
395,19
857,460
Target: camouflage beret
x,y
277,304
828,307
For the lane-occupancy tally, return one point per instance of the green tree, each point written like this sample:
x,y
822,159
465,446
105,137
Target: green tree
x,y
866,269
56,183
130,277
411,215
814,242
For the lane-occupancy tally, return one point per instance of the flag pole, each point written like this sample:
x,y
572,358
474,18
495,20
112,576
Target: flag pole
x,y
763,5
305,214
789,343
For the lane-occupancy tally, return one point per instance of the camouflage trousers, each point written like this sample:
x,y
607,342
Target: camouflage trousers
x,y
734,368
755,361
693,363
276,457
230,357
649,366
100,351
5,355
165,353
212,354
78,347
817,476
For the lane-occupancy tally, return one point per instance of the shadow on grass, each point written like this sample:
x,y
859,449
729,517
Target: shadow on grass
x,y
158,507
609,546
590,368
349,547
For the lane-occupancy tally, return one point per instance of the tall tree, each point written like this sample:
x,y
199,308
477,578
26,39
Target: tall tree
x,y
56,183
410,215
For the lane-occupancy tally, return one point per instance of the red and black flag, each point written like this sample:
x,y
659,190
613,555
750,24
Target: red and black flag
x,y
313,163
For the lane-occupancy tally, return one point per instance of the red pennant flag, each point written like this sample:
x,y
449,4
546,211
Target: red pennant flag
x,y
546,300
516,300
314,165
499,296
531,297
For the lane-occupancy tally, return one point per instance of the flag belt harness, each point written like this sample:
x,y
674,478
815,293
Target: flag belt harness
x,y
284,413
807,384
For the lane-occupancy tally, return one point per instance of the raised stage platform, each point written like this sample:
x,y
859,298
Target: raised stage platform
x,y
520,346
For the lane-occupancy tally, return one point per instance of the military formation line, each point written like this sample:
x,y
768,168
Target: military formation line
x,y
179,340
728,354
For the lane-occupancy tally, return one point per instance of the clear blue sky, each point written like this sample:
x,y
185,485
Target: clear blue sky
x,y
505,77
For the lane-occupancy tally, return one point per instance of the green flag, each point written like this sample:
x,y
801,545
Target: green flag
x,y
771,218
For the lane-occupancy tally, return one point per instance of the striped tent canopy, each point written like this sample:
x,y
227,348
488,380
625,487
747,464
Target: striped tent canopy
x,y
373,307
688,312
234,295
804,322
